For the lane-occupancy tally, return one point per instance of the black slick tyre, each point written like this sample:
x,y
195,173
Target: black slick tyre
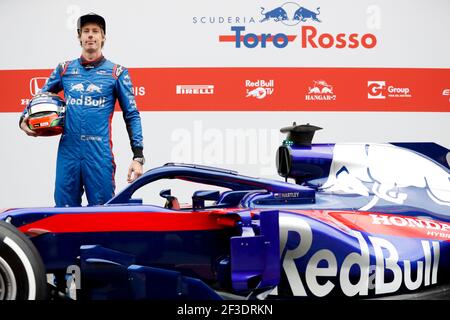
x,y
22,272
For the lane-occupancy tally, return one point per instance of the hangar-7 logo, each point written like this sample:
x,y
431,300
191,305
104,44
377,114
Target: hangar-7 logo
x,y
320,91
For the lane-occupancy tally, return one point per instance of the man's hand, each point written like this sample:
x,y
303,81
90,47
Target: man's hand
x,y
26,129
135,171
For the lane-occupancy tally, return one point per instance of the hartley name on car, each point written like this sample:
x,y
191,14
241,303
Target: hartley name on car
x,y
287,195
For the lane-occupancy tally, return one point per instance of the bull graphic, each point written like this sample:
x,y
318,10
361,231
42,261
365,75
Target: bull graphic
x,y
278,14
301,14
93,88
387,170
327,90
258,93
321,86
313,90
77,87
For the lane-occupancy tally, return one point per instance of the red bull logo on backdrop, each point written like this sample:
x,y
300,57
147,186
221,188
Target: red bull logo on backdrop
x,y
290,14
259,89
293,14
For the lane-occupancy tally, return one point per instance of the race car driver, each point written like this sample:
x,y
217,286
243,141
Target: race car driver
x,y
91,85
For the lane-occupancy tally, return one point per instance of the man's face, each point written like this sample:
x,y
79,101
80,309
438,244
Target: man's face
x,y
91,37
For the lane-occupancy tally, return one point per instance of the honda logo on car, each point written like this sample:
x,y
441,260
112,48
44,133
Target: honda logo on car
x,y
389,271
409,222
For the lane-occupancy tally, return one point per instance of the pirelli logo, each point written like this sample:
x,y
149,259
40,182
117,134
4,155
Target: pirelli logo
x,y
195,89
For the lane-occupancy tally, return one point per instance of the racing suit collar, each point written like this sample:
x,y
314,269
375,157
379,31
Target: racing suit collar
x,y
92,64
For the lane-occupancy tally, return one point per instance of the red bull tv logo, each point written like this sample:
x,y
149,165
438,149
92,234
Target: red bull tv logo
x,y
259,89
292,14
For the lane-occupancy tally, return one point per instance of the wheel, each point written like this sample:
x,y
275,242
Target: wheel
x,y
22,272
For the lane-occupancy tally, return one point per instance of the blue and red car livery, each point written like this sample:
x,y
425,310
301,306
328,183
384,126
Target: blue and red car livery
x,y
357,221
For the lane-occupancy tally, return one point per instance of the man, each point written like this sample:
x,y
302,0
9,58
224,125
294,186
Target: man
x,y
91,87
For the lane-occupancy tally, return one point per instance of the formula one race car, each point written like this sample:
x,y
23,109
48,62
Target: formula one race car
x,y
356,220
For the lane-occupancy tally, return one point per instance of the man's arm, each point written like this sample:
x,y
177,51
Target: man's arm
x,y
54,85
132,119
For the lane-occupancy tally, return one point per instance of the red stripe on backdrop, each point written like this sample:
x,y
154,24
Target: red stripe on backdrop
x,y
292,89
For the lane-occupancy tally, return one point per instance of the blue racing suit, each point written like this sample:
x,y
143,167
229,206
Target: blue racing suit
x,y
85,157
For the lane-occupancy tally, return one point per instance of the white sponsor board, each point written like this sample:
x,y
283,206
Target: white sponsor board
x,y
181,33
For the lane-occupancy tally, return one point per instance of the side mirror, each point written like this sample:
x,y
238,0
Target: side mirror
x,y
199,198
166,193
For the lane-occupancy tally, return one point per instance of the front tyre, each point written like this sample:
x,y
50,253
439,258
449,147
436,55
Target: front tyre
x,y
22,272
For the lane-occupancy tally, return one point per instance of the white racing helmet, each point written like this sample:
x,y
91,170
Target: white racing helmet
x,y
46,112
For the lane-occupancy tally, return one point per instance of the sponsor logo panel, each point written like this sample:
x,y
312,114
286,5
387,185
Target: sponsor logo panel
x,y
260,89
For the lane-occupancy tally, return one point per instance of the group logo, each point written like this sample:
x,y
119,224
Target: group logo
x,y
259,89
381,90
320,91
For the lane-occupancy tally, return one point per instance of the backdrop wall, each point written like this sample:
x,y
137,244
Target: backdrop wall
x,y
216,80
